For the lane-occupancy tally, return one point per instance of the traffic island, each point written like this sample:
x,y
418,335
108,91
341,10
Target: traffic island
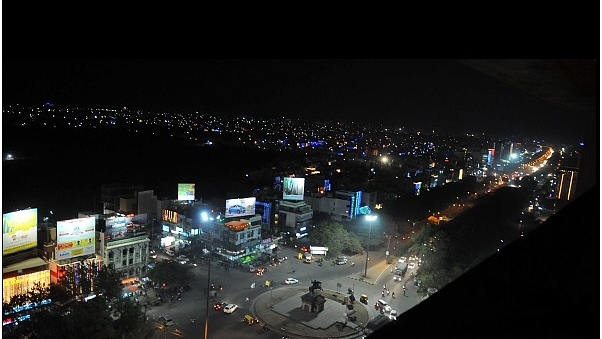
x,y
282,311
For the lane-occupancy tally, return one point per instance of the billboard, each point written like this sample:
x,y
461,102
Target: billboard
x,y
123,226
293,188
75,237
19,231
185,191
240,207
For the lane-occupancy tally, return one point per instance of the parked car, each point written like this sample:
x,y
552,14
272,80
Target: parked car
x,y
236,209
289,281
230,308
411,265
402,259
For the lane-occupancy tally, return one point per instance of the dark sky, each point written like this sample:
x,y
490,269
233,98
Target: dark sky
x,y
549,99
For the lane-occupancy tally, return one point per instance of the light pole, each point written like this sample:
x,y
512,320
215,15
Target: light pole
x,y
208,289
370,219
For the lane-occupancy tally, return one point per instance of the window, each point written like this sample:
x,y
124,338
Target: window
x,y
131,250
111,255
125,252
124,262
131,261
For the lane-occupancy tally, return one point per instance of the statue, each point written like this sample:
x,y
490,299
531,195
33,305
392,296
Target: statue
x,y
316,285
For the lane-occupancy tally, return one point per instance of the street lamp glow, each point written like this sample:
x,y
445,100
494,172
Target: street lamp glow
x,y
370,218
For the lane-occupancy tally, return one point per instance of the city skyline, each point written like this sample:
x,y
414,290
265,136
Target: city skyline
x,y
521,98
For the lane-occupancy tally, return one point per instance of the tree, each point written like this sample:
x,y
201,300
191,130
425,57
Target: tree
x,y
171,273
108,283
131,318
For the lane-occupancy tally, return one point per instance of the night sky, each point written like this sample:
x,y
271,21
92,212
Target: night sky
x,y
553,100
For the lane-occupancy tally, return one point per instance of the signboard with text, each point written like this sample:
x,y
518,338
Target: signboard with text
x,y
19,231
75,237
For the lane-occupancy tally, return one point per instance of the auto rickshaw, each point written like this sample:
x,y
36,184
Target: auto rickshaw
x,y
249,319
364,299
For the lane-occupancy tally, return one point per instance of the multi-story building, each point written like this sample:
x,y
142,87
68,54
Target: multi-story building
x,y
119,197
124,244
293,219
341,205
567,183
238,239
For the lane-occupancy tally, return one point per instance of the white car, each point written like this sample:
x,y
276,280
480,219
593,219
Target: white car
x,y
402,259
393,315
182,257
289,281
411,265
230,308
384,306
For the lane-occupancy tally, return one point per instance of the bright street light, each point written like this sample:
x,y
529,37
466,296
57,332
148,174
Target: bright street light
x,y
370,219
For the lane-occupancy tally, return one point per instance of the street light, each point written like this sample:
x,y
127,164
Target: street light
x,y
370,219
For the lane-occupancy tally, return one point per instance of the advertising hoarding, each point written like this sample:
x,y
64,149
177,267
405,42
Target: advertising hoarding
x,y
240,207
75,237
122,226
19,231
293,188
185,191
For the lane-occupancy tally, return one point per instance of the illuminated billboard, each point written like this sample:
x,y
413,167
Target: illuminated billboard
x,y
19,231
240,207
123,226
185,191
75,237
293,188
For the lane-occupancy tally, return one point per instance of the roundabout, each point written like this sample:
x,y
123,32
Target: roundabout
x,y
282,311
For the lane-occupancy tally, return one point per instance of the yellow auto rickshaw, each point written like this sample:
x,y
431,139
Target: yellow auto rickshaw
x,y
249,319
364,299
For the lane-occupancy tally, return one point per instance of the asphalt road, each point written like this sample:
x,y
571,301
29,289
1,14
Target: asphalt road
x,y
237,288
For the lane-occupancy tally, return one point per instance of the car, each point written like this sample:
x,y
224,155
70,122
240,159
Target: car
x,y
384,306
340,262
396,278
236,209
219,306
165,321
289,281
153,254
230,308
402,259
393,315
411,265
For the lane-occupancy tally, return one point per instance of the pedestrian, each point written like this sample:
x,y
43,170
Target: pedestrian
x,y
388,292
382,293
393,295
247,299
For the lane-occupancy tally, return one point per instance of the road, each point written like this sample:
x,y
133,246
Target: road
x,y
237,288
